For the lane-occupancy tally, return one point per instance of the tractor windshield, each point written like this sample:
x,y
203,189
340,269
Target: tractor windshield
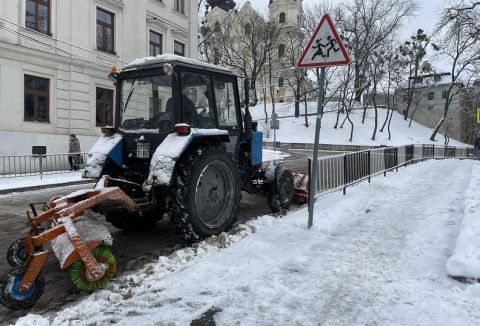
x,y
145,105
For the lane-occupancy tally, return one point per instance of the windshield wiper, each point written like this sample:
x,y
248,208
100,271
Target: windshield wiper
x,y
132,88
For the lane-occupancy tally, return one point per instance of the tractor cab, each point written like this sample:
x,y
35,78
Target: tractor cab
x,y
156,94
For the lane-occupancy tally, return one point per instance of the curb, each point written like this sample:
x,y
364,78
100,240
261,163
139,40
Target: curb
x,y
52,185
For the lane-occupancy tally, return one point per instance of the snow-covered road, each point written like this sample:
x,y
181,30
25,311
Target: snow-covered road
x,y
374,257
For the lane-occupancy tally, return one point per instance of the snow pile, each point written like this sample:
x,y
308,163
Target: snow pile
x,y
373,257
98,154
271,155
466,260
163,58
293,130
17,183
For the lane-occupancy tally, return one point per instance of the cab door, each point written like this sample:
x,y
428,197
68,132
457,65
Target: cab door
x,y
227,107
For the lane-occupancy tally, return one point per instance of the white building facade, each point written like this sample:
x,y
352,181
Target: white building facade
x,y
55,57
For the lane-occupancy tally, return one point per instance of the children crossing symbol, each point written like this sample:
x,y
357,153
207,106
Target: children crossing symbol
x,y
325,48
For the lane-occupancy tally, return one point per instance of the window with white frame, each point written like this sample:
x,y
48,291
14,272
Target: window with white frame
x,y
155,44
179,5
179,48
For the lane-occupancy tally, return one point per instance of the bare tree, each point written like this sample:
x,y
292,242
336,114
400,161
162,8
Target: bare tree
x,y
243,42
412,53
369,24
462,48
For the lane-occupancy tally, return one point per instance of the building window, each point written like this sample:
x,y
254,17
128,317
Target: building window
x,y
280,82
36,98
444,94
419,80
404,98
437,78
155,44
281,50
281,18
179,5
431,96
179,48
105,31
37,16
216,28
248,29
104,107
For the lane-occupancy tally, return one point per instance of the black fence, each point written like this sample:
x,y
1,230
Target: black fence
x,y
341,171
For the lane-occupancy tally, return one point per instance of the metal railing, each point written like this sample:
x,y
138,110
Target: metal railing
x,y
341,171
29,165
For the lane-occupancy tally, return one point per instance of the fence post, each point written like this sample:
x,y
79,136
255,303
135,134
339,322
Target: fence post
x,y
344,173
40,157
396,158
309,198
369,167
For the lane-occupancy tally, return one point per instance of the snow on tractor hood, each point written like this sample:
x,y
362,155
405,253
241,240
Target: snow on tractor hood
x,y
166,155
105,146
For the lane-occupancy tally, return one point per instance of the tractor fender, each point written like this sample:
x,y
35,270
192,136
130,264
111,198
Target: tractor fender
x,y
166,155
107,146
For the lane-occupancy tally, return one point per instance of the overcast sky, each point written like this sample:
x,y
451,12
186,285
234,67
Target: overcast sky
x,y
425,19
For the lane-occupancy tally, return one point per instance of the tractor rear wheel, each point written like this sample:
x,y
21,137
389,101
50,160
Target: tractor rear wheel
x,y
205,193
281,191
10,294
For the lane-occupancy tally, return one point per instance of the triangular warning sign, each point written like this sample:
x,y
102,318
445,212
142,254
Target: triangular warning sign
x,y
325,48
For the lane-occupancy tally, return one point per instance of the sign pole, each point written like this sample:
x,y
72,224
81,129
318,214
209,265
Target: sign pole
x,y
313,177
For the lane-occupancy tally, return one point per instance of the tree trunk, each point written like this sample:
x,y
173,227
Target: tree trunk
x,y
376,118
297,105
338,117
306,112
386,119
265,104
389,121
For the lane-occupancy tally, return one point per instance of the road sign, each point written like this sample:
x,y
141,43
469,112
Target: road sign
x,y
325,48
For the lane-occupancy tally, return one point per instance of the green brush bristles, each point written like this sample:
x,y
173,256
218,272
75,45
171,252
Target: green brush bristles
x,y
77,272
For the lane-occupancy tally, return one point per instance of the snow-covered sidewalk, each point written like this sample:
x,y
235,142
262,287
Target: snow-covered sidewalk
x,y
374,257
16,183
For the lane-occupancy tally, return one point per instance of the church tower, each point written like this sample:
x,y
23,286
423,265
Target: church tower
x,y
288,12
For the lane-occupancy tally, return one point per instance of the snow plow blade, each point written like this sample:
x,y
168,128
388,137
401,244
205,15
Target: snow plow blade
x,y
301,184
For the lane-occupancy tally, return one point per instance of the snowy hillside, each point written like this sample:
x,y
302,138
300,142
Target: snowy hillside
x,y
293,130
370,259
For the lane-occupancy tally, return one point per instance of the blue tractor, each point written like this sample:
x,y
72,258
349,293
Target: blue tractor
x,y
181,146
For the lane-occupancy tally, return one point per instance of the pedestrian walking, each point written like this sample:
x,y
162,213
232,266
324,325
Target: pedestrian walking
x,y
73,148
477,147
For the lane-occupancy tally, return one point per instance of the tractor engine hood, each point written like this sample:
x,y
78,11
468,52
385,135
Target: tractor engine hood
x,y
107,146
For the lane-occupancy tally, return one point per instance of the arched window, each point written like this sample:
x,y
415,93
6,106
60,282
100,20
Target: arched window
x,y
281,50
281,18
280,82
248,29
217,27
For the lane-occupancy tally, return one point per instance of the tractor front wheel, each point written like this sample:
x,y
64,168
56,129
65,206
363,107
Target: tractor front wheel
x,y
10,294
205,194
281,190
78,272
